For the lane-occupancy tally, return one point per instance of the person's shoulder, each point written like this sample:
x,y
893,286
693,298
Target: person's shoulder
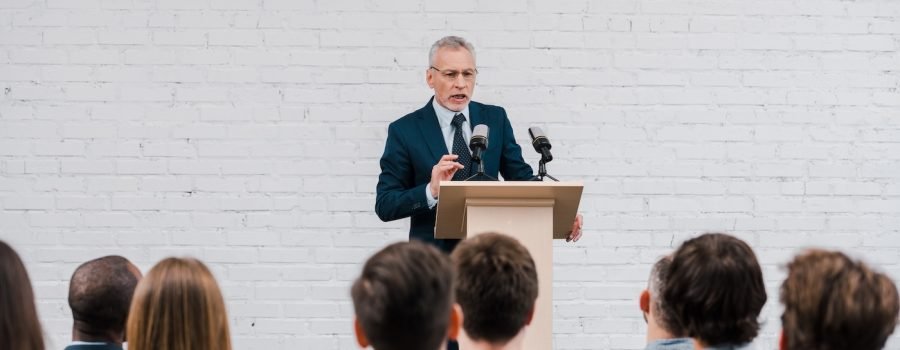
x,y
486,107
492,114
411,117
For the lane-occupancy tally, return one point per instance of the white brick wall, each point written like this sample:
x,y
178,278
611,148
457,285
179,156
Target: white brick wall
x,y
247,133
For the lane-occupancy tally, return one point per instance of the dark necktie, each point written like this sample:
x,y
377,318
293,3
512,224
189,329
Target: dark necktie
x,y
460,148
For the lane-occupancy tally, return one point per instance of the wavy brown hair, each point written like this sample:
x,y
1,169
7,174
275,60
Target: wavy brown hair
x,y
178,306
19,325
832,302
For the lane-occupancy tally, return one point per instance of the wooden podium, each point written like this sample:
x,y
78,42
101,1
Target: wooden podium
x,y
532,212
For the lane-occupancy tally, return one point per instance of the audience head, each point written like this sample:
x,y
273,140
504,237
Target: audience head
x,y
832,302
404,299
660,323
19,325
715,290
178,306
496,286
100,294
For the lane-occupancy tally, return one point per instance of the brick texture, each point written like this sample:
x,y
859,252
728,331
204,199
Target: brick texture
x,y
247,133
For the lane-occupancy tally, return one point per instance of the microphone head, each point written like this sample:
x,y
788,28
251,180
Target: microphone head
x,y
479,137
538,139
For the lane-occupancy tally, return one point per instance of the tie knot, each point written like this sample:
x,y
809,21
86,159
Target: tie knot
x,y
458,119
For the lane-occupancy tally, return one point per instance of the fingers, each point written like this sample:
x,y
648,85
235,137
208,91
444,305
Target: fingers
x,y
443,170
449,157
576,232
450,167
574,235
447,165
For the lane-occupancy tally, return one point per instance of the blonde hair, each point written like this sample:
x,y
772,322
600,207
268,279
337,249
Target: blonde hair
x,y
178,306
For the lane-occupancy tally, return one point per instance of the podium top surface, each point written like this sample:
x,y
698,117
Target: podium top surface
x,y
564,197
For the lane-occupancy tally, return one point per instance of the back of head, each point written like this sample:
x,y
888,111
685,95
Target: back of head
x,y
100,294
659,277
715,290
496,286
19,325
404,296
178,306
832,302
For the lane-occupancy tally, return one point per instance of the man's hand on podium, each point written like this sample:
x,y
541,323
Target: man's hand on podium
x,y
575,234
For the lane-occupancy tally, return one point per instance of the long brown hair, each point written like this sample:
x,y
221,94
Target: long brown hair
x,y
178,306
19,325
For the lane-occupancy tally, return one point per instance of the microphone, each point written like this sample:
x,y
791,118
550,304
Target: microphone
x,y
541,143
479,141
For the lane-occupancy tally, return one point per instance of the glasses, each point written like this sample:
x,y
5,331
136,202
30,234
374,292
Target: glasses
x,y
468,74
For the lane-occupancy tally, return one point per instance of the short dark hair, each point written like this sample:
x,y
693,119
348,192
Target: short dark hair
x,y
404,296
659,277
20,328
100,293
715,290
496,286
832,302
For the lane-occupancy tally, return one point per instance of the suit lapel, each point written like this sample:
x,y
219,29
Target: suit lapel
x,y
475,117
431,131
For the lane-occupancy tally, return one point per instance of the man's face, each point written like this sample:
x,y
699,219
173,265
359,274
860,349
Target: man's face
x,y
452,77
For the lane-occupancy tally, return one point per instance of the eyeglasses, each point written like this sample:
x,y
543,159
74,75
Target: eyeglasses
x,y
468,74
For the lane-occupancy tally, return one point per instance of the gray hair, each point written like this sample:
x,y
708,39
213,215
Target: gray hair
x,y
659,279
453,42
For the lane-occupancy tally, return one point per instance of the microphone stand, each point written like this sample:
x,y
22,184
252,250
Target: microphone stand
x,y
480,175
542,171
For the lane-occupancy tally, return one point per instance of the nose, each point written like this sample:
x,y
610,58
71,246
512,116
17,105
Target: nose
x,y
459,81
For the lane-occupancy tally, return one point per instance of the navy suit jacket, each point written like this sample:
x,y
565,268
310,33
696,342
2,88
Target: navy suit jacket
x,y
415,144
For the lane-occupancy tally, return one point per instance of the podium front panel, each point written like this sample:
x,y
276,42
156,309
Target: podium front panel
x,y
451,212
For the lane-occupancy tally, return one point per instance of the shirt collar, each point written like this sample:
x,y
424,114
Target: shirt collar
x,y
445,116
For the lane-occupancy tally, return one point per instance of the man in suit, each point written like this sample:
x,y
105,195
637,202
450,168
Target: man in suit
x,y
430,145
100,293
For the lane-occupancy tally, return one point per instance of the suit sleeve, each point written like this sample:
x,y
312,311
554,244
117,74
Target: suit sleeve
x,y
397,196
512,165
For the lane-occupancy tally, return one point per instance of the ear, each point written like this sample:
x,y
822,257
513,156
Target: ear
x,y
429,77
530,316
644,301
782,341
456,321
360,336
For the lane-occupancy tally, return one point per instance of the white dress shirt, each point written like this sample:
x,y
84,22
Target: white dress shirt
x,y
445,117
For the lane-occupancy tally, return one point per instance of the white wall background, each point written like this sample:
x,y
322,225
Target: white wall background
x,y
247,133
